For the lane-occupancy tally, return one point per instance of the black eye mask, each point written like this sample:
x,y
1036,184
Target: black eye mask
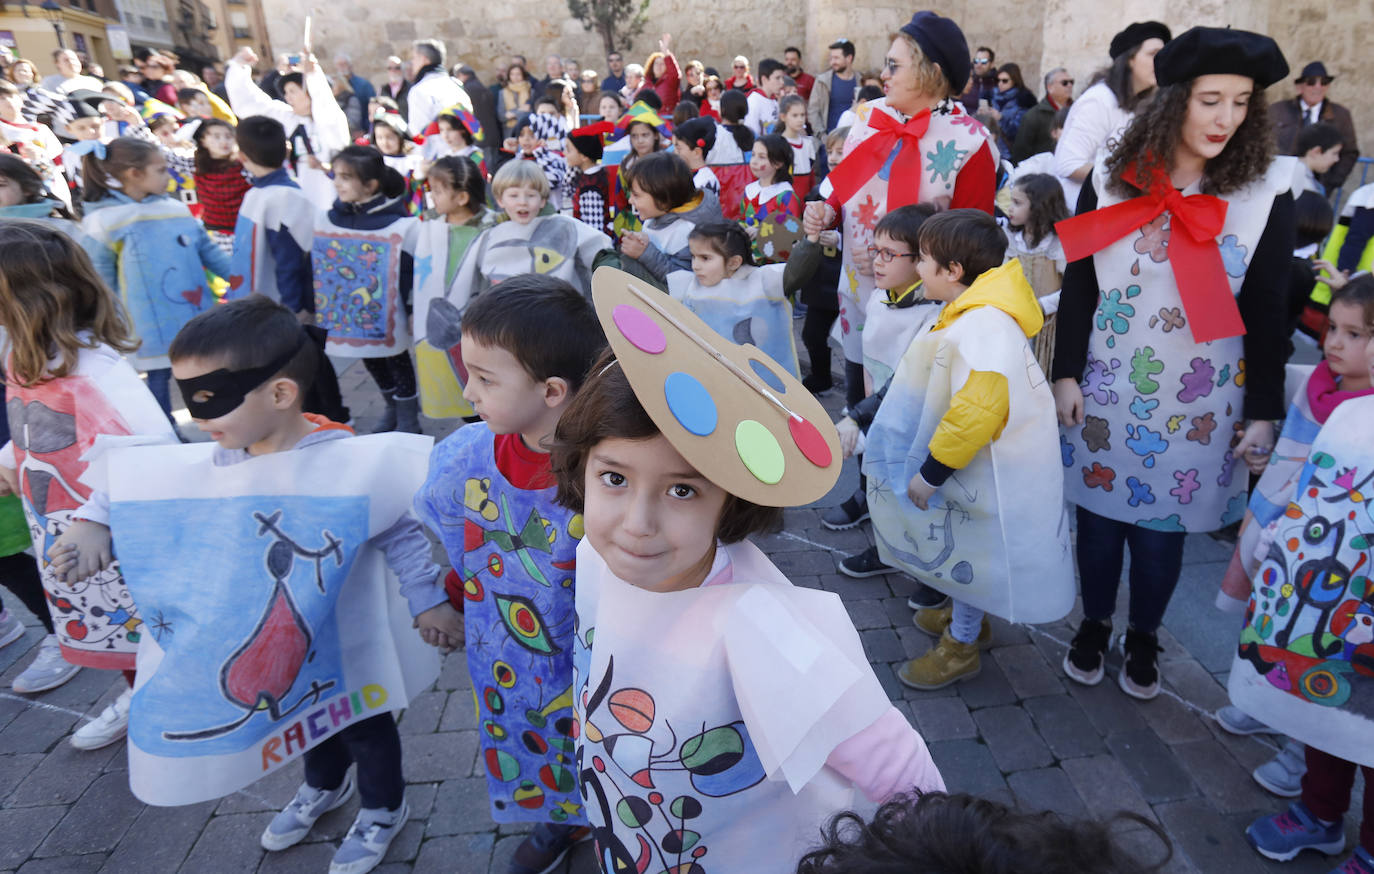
x,y
228,388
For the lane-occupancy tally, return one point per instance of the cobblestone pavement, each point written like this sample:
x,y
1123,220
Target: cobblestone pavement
x,y
1019,732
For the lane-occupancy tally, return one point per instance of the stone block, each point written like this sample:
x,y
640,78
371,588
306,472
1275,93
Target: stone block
x,y
14,768
942,719
1105,787
882,645
24,829
1064,726
1046,789
64,865
1110,711
270,793
967,766
868,614
461,806
37,730
1012,739
228,845
462,854
159,838
432,758
97,822
453,674
1027,671
1173,720
301,857
849,588
1208,841
1155,771
1226,784
460,712
1195,685
63,776
422,716
989,689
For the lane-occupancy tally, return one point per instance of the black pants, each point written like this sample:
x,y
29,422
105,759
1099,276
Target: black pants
x,y
19,574
324,397
1156,560
395,374
375,746
816,339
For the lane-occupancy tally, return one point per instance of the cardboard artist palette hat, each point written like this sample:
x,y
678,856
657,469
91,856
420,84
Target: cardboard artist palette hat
x,y
734,414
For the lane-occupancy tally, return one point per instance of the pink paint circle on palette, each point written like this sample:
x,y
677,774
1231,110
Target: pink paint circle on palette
x,y
642,331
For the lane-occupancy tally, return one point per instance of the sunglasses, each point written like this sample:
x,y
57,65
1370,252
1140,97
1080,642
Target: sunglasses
x,y
1065,83
982,60
741,66
1003,80
1315,80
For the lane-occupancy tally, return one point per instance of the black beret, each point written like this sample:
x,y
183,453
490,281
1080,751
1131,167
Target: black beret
x,y
943,42
1135,34
588,140
85,103
1201,51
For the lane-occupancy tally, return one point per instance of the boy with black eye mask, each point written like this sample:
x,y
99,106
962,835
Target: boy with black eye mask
x,y
241,368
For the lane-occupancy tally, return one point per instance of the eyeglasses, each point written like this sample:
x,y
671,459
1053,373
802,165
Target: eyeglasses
x,y
1315,80
394,67
887,256
982,60
891,66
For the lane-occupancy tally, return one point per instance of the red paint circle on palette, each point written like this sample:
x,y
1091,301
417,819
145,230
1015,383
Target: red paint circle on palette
x,y
809,440
642,332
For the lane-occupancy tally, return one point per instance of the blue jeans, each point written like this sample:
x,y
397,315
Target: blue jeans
x,y
1156,560
375,746
160,384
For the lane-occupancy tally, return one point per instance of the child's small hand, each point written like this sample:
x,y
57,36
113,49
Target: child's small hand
x,y
1256,445
1335,278
313,163
849,435
82,550
829,238
817,216
633,244
863,262
441,626
751,231
245,56
920,491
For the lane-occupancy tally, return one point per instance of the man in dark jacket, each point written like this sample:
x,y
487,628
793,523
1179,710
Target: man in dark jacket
x,y
484,107
1311,106
1034,136
983,81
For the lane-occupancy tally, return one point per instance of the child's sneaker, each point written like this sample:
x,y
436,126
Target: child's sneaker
x,y
865,564
852,512
108,727
367,841
11,629
924,596
1282,836
934,621
1236,721
949,661
1139,676
1083,661
1361,862
546,848
1282,775
48,670
296,819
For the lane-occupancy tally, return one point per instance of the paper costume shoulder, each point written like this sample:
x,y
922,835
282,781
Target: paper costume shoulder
x,y
273,622
552,245
996,535
358,286
52,427
1305,662
748,307
695,742
439,250
514,553
888,332
269,209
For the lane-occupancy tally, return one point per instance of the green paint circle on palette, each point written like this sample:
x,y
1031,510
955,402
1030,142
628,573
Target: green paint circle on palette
x,y
690,403
642,331
760,452
766,374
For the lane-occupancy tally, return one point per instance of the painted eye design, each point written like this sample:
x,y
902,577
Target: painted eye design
x,y
525,624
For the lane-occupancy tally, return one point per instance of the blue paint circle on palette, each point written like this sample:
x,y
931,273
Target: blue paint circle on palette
x,y
766,374
690,403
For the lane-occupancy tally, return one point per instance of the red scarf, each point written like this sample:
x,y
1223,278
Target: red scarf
x,y
869,156
1194,223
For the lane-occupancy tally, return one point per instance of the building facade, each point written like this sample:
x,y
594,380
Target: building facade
x,y
32,32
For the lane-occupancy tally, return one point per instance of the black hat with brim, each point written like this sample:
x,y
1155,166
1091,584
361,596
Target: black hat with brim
x,y
1315,70
1204,51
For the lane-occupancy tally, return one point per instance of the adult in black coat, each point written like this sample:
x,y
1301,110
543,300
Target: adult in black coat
x,y
483,106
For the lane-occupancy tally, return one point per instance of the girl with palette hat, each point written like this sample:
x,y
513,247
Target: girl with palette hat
x,y
1169,359
724,713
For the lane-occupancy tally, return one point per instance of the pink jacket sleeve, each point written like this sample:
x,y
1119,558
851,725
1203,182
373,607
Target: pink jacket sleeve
x,y
886,758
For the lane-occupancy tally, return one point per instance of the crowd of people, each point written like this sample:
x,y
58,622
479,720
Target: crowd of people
x,y
598,271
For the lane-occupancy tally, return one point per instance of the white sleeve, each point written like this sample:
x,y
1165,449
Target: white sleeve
x,y
1085,131
331,125
247,99
420,108
753,120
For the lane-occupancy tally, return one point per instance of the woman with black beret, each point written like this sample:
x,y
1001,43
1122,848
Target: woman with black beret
x,y
1169,360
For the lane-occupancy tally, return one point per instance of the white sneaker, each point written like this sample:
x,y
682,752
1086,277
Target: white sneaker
x,y
1282,775
1237,721
48,670
367,841
11,629
108,727
296,819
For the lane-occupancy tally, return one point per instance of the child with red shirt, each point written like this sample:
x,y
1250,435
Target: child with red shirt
x,y
221,181
490,498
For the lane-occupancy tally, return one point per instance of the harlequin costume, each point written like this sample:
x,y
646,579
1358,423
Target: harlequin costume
x,y
720,726
591,186
490,500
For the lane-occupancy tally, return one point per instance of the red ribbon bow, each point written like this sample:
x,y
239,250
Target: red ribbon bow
x,y
869,156
1194,223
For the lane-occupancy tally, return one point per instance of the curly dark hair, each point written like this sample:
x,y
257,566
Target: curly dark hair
x,y
1156,132
937,832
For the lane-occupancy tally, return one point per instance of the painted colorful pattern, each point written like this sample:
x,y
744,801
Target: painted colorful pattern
x,y
778,220
357,287
513,553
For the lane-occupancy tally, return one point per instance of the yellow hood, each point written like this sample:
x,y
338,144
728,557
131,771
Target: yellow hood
x,y
1006,289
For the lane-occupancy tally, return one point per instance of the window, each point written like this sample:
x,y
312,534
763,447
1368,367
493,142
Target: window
x,y
148,22
79,41
243,33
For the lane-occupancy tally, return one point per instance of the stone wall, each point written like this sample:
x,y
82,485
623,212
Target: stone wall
x,y
1037,35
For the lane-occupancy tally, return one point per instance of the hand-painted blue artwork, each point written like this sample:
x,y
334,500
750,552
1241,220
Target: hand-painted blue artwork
x,y
357,280
253,639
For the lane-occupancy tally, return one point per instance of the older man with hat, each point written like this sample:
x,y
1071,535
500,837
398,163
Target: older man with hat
x,y
1310,107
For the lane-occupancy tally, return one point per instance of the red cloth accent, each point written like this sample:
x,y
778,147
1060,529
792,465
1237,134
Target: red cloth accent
x,y
220,193
1324,393
746,86
453,586
869,156
976,185
1193,253
707,111
805,82
524,467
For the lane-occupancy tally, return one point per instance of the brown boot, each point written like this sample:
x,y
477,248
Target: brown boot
x,y
934,621
949,661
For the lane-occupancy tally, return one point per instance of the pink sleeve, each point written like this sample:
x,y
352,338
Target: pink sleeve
x,y
886,758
